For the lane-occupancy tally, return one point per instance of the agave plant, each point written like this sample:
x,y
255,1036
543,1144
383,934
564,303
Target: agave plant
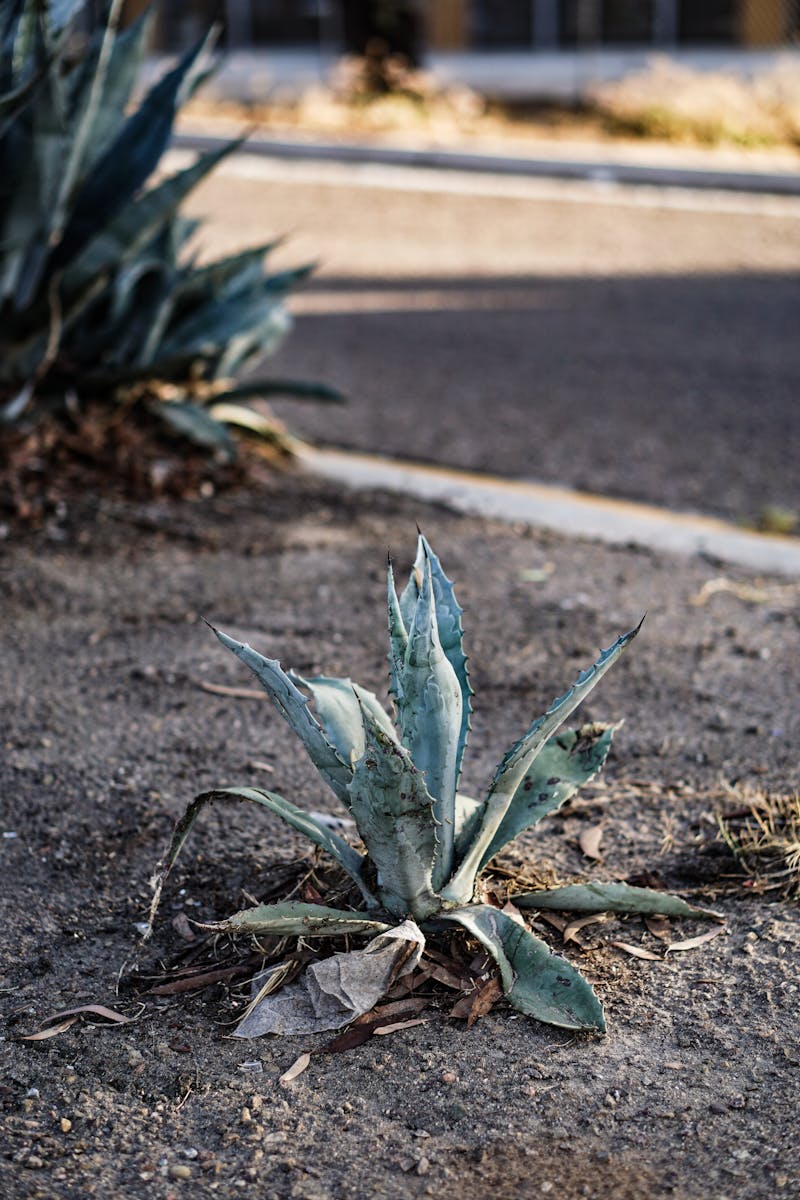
x,y
100,297
425,842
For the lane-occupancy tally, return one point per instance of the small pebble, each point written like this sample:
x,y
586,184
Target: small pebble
x,y
423,1166
65,1124
179,1171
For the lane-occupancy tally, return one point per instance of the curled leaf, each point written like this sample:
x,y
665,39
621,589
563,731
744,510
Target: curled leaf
x,y
298,1066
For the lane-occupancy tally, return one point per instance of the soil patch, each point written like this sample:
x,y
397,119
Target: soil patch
x,y
107,734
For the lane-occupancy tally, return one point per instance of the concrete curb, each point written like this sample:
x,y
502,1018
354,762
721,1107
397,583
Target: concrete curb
x,y
617,522
765,183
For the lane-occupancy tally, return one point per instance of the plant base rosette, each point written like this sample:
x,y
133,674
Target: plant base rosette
x,y
424,842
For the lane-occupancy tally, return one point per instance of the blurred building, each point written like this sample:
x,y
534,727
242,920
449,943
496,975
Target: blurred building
x,y
475,25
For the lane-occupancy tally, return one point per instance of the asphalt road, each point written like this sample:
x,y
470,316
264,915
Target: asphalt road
x,y
632,342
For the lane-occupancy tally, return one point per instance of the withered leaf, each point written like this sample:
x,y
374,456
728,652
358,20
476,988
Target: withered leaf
x,y
202,979
61,1021
397,1025
659,927
51,1031
364,1027
589,841
574,927
298,1066
638,951
691,943
484,1000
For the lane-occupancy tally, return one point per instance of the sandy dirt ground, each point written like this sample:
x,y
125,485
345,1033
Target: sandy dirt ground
x,y
107,734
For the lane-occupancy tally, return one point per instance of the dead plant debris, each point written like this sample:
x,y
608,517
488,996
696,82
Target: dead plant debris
x,y
763,834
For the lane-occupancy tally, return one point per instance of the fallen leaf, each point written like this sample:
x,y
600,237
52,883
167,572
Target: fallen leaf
x,y
448,978
382,1030
363,1028
180,924
638,951
51,1031
94,1010
580,923
512,911
484,999
203,979
659,927
356,1035
691,943
461,1008
333,991
223,689
61,1021
589,841
298,1066
559,923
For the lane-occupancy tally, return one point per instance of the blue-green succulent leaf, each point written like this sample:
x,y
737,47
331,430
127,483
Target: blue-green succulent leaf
x,y
451,635
393,811
349,859
448,620
196,423
567,761
296,389
612,897
128,160
120,239
295,918
468,818
429,710
535,980
293,707
398,638
519,760
339,712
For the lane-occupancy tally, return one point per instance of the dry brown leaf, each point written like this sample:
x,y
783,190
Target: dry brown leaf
x,y
638,951
484,999
94,1010
298,1066
356,1035
382,1030
559,923
224,689
61,1021
384,1012
461,1008
442,975
52,1031
180,924
580,923
659,927
701,938
512,911
589,841
202,979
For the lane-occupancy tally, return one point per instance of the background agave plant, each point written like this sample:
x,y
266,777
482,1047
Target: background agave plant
x,y
100,297
426,843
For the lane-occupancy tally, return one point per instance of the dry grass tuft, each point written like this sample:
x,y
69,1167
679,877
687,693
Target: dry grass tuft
x,y
668,100
764,835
